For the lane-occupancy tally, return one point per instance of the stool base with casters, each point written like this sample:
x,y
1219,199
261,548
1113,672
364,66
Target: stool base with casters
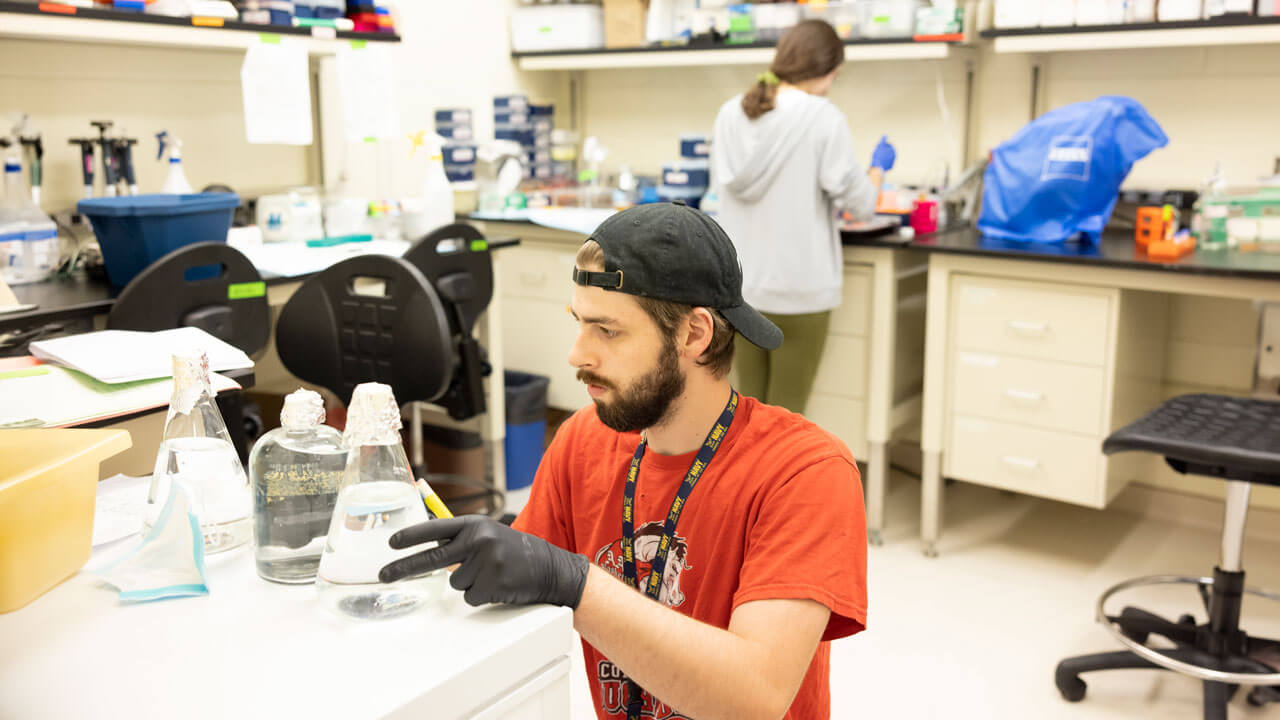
x,y
1231,439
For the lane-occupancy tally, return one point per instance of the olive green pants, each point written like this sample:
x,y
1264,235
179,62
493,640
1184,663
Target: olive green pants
x,y
784,376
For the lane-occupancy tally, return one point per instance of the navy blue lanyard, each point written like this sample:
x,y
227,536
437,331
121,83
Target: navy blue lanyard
x,y
659,565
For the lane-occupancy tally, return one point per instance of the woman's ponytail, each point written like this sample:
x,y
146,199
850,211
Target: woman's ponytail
x,y
762,97
809,50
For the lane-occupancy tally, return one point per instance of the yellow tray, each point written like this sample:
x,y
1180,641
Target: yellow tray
x,y
48,485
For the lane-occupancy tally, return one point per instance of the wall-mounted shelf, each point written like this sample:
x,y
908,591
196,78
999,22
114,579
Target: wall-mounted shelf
x,y
1198,33
46,21
760,54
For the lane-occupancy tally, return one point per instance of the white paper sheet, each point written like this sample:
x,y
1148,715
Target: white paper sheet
x,y
57,397
117,356
275,81
291,259
368,85
120,508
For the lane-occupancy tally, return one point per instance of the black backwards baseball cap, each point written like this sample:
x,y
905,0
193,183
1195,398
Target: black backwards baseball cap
x,y
669,251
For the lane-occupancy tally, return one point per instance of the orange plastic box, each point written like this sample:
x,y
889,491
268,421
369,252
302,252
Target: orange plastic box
x,y
48,487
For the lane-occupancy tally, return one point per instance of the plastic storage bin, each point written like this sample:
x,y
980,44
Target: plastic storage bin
x,y
557,27
526,397
136,231
48,488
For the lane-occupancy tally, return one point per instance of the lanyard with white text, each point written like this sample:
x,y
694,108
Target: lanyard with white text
x,y
629,575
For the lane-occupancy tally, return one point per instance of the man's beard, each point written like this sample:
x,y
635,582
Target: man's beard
x,y
646,403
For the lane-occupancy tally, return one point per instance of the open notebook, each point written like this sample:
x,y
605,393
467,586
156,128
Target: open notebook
x,y
119,356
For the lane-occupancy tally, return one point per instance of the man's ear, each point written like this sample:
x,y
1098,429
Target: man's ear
x,y
697,330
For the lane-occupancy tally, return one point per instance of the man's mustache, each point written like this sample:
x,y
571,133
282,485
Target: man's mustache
x,y
592,379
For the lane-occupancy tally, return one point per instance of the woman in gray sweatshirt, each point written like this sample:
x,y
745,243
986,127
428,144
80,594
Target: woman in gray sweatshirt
x,y
783,166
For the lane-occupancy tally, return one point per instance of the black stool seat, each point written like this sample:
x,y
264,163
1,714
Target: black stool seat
x,y
1214,435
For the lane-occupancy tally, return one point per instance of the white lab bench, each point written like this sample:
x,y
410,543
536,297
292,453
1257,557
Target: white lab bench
x,y
255,649
869,382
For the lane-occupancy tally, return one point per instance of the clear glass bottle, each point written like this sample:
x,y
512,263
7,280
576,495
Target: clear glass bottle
x,y
294,471
197,452
376,498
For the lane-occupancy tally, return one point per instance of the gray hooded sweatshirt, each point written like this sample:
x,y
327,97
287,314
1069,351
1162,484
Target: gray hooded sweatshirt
x,y
781,178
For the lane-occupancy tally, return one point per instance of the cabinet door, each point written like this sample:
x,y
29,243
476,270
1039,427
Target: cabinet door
x,y
843,368
842,417
537,272
537,336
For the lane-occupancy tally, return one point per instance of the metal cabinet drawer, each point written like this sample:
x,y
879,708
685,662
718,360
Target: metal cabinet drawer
x,y
1048,395
536,273
853,317
1061,466
1061,323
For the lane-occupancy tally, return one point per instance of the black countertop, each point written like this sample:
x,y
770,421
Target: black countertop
x,y
1116,249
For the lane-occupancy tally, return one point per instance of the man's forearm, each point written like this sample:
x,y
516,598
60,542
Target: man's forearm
x,y
698,670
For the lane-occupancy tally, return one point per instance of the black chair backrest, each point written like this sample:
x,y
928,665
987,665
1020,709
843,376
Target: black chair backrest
x,y
370,318
211,286
455,258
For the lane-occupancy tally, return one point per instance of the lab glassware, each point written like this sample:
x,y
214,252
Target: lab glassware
x,y
196,452
376,498
295,470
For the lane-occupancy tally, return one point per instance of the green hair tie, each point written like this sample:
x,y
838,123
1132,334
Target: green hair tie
x,y
768,78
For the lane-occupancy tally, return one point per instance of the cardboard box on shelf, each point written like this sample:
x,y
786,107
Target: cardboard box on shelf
x,y
624,23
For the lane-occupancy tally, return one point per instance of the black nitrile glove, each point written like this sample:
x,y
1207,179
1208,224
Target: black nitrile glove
x,y
498,564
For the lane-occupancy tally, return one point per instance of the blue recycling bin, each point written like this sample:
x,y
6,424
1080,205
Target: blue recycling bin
x,y
526,398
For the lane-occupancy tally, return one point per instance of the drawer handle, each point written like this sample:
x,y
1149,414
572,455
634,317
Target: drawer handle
x,y
1021,462
533,278
1023,395
1023,327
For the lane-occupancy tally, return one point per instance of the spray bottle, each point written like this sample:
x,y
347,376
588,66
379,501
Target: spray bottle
x,y
28,238
176,183
436,209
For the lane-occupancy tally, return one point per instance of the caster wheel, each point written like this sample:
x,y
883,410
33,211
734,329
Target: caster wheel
x,y
1188,620
1072,689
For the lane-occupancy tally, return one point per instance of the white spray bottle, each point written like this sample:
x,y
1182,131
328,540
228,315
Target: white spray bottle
x,y
436,210
176,183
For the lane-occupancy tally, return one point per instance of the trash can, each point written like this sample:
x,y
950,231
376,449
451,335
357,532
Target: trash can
x,y
526,426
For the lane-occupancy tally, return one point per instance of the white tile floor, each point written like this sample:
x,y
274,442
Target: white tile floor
x,y
978,631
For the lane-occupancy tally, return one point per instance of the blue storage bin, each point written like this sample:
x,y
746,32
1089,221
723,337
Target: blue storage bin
x,y
458,133
460,173
695,147
510,102
453,116
524,137
686,175
458,154
136,231
513,119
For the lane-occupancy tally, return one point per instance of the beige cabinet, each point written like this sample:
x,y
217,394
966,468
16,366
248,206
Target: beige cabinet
x,y
1033,371
537,330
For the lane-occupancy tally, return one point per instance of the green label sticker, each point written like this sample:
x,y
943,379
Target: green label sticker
x,y
24,372
359,44
479,245
269,39
371,140
243,291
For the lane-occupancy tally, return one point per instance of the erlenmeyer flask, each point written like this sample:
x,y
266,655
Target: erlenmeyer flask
x,y
197,452
376,498
295,470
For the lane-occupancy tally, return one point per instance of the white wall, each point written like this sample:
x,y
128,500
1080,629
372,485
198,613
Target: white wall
x,y
194,94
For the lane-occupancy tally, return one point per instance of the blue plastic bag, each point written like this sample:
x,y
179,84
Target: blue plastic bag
x,y
1060,175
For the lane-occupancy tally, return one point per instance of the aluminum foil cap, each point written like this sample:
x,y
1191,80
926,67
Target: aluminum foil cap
x,y
303,409
373,418
190,379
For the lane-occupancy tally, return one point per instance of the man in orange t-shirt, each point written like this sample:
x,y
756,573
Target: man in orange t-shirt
x,y
743,521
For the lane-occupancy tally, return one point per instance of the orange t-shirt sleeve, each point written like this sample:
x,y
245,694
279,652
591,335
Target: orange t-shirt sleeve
x,y
809,541
547,512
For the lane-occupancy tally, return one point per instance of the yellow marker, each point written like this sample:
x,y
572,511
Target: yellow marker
x,y
433,501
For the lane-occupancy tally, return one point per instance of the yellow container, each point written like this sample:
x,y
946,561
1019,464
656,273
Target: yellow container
x,y
48,485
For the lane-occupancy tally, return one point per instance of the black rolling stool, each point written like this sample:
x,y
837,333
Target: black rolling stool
x,y
1236,440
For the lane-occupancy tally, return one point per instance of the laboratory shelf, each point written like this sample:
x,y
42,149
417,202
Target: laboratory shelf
x,y
64,23
756,54
1237,30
